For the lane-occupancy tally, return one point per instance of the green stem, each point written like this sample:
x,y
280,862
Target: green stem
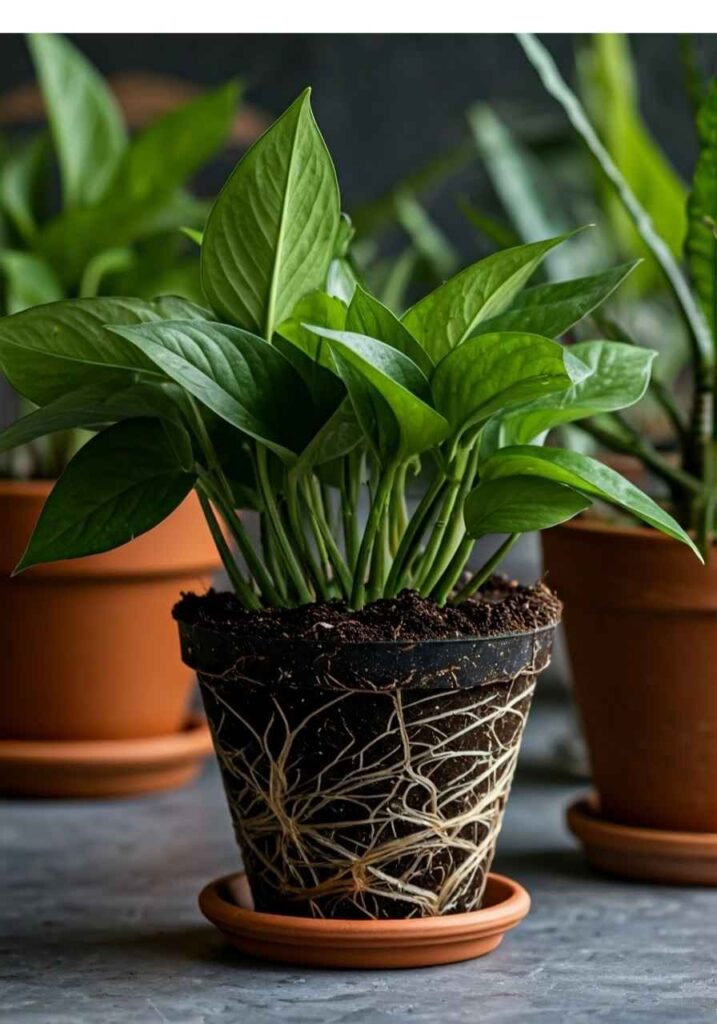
x,y
325,536
478,579
241,587
287,553
449,580
455,530
350,495
407,549
376,512
317,571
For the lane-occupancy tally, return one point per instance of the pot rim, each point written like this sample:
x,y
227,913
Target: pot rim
x,y
11,488
596,525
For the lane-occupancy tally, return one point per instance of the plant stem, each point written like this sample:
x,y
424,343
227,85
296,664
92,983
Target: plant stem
x,y
403,558
318,572
453,573
241,587
350,495
479,578
325,537
376,512
287,553
455,531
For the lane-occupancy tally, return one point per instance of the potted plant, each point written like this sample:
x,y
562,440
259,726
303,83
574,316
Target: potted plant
x,y
366,699
641,621
100,700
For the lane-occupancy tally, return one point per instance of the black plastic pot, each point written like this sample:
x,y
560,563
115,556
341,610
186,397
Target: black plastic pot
x,y
366,779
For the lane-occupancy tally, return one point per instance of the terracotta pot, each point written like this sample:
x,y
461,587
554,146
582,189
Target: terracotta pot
x,y
366,780
88,646
641,626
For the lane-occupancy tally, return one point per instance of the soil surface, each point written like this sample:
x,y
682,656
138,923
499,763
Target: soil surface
x,y
501,606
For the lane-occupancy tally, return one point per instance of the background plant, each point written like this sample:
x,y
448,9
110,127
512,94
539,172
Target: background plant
x,y
298,392
115,226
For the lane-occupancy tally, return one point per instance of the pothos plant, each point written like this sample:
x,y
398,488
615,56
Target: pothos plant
x,y
692,282
122,201
298,394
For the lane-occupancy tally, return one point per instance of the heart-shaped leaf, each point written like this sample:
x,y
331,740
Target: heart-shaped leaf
x,y
120,484
518,504
368,316
270,236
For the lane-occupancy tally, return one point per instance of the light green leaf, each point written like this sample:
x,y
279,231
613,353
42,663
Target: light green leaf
x,y
701,242
270,236
491,372
28,280
165,154
619,377
367,316
318,308
520,504
21,176
426,237
586,475
85,119
450,314
120,484
241,378
552,309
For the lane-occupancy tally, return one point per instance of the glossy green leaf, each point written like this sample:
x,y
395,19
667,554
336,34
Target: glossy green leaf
x,y
170,149
337,437
519,504
450,314
491,372
586,475
236,375
318,308
552,309
367,316
28,280
701,242
47,351
85,119
270,236
120,484
619,377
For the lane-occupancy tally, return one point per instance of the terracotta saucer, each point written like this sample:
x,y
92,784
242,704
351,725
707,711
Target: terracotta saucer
x,y
103,768
417,942
678,858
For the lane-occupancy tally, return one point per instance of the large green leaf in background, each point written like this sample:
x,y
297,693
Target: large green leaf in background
x,y
494,371
85,120
120,484
236,375
701,243
270,236
452,313
518,504
49,350
586,475
21,177
29,281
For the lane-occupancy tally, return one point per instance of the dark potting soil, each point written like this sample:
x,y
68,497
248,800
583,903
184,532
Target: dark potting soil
x,y
501,606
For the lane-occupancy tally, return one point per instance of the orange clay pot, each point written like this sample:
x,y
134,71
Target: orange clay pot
x,y
641,624
89,648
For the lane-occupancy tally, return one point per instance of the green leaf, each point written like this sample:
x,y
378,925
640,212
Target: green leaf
x,y
193,235
85,119
619,377
491,372
120,484
337,437
552,309
586,475
28,280
701,242
367,316
426,237
390,394
47,351
21,176
450,314
165,154
315,308
270,236
236,375
520,504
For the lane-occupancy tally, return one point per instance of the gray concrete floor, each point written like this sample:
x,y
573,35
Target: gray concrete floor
x,y
99,925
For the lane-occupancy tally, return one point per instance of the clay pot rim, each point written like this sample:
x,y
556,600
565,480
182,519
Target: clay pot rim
x,y
26,488
585,822
193,740
595,525
504,912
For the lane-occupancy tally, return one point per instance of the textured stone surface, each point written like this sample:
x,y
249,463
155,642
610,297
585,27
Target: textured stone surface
x,y
99,926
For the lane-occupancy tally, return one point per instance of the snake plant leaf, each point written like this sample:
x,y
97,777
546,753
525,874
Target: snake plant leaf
x,y
29,281
368,316
47,351
518,504
586,475
492,372
120,484
619,378
171,148
449,315
390,394
552,309
701,242
271,233
236,375
85,119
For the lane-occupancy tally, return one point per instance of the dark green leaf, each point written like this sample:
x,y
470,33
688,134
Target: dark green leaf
x,y
369,317
519,504
337,437
120,484
271,233
315,308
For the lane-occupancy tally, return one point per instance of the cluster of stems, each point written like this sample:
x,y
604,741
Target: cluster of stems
x,y
316,546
